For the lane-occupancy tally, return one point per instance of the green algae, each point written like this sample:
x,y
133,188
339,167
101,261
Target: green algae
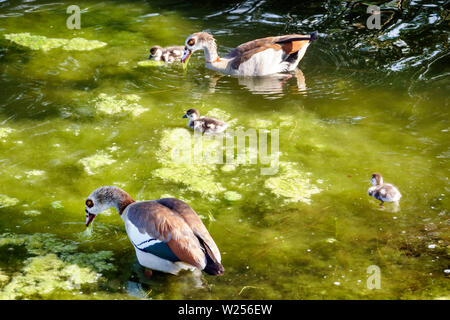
x,y
98,261
34,173
180,165
3,278
5,131
93,163
118,104
56,266
150,63
292,184
232,196
44,275
36,42
32,213
57,205
6,201
81,44
261,123
228,167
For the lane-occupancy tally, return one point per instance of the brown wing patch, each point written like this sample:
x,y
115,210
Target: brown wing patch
x,y
246,50
193,221
181,248
248,54
163,224
293,46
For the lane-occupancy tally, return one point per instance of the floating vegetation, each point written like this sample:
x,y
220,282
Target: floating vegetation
x,y
34,173
222,115
81,44
44,275
5,131
57,205
218,114
176,155
3,278
36,42
232,196
261,123
292,184
32,213
96,161
228,167
118,104
6,201
87,233
57,266
150,63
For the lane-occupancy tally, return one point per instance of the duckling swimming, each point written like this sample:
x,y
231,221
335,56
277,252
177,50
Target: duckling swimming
x,y
384,192
204,124
168,55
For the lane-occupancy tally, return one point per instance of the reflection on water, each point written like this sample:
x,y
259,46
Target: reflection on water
x,y
272,86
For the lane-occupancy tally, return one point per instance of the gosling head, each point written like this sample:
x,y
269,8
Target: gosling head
x,y
104,198
192,114
376,179
155,53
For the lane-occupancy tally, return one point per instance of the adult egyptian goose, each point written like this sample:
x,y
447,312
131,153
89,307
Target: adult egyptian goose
x,y
254,58
168,55
204,124
167,234
384,192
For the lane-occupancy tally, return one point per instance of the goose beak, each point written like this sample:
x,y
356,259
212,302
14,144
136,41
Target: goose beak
x,y
185,116
186,55
313,36
89,218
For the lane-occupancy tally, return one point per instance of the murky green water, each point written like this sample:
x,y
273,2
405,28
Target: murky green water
x,y
71,121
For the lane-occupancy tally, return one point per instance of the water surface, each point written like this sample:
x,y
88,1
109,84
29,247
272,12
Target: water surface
x,y
362,102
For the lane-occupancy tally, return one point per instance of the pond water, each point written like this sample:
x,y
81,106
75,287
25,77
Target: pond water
x,y
364,101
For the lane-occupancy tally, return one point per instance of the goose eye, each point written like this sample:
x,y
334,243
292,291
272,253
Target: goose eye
x,y
89,203
191,42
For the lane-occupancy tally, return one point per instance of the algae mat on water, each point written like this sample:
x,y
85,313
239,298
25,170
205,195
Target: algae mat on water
x,y
36,42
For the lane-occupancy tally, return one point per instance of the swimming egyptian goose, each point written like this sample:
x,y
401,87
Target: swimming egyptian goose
x,y
169,54
204,124
167,234
384,192
254,58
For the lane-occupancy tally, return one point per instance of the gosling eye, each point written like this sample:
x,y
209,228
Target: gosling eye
x,y
191,42
89,203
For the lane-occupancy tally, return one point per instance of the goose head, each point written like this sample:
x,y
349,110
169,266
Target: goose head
x,y
104,198
376,179
197,41
155,53
192,114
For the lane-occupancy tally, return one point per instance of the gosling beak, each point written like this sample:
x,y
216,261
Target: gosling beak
x,y
186,55
89,218
150,57
185,116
